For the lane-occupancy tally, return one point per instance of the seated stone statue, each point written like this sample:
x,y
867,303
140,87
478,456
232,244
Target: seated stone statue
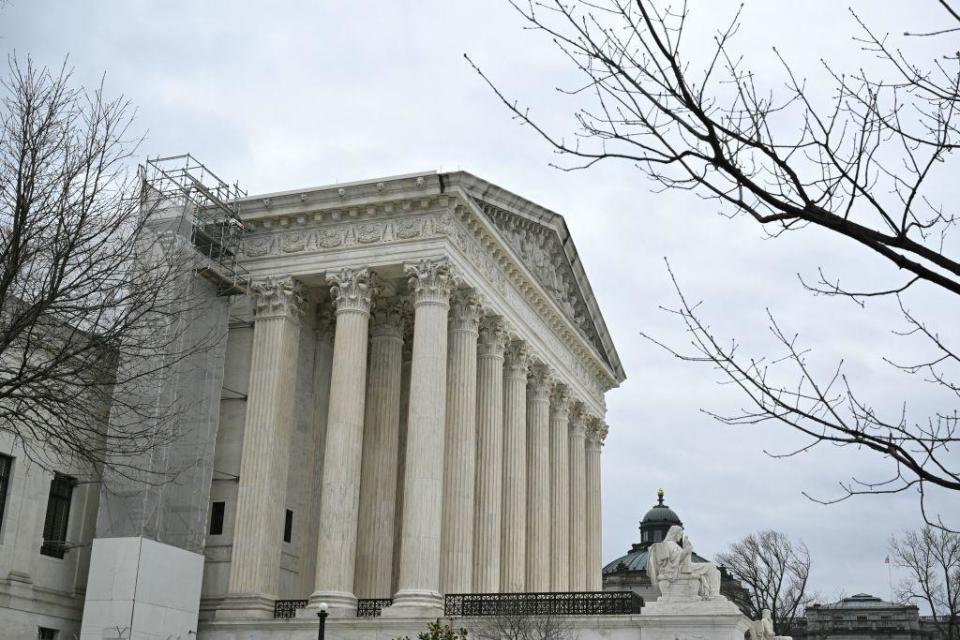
x,y
762,629
670,567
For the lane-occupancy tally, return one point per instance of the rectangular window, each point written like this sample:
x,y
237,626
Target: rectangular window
x,y
288,526
58,516
6,466
43,633
216,518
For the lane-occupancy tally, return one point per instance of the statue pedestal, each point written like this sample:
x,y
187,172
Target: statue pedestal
x,y
689,621
680,612
696,606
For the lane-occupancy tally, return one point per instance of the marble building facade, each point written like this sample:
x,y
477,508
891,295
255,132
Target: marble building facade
x,y
418,376
412,405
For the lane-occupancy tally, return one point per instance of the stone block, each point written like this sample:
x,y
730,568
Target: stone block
x,y
141,589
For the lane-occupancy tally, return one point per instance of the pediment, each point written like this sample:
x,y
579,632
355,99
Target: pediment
x,y
539,247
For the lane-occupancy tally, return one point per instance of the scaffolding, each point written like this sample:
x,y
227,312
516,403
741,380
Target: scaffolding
x,y
208,212
161,491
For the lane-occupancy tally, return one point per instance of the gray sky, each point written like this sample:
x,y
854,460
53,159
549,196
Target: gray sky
x,y
285,95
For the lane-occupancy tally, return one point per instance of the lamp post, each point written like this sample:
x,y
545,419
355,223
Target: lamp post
x,y
322,614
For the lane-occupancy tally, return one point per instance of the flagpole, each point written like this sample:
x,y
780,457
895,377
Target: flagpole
x,y
890,577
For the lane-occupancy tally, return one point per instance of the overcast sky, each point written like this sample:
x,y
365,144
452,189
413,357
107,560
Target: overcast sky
x,y
282,95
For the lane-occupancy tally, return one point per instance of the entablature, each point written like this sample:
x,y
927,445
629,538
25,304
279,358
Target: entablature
x,y
396,219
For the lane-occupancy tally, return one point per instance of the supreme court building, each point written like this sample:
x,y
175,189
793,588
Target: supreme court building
x,y
409,402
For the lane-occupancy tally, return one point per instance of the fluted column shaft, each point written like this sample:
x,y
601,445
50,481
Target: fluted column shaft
x,y
419,583
401,466
489,473
261,495
559,489
594,441
351,291
538,479
513,545
578,499
381,438
459,460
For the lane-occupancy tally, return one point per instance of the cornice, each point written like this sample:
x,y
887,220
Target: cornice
x,y
346,196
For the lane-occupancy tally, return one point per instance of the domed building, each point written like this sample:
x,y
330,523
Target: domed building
x,y
629,572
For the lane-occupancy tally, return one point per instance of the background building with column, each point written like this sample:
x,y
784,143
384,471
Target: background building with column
x,y
411,406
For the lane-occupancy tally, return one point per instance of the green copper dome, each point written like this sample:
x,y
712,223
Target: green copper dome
x,y
653,528
657,522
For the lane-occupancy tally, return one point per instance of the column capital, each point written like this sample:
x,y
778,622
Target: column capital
x,y
388,317
430,281
493,337
539,379
560,398
517,359
352,289
278,297
464,311
596,431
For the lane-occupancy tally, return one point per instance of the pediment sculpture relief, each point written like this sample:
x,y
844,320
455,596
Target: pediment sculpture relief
x,y
541,252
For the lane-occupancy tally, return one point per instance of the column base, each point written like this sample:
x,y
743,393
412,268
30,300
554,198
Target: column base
x,y
240,606
340,604
415,603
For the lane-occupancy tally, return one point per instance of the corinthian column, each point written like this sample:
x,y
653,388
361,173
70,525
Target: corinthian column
x,y
401,467
487,519
381,438
513,545
419,584
538,479
459,460
351,290
595,437
261,496
559,489
578,499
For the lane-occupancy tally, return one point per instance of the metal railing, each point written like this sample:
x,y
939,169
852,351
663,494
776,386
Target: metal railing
x,y
287,608
586,603
372,607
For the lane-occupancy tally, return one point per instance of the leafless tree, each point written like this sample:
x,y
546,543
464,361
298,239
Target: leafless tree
x,y
775,573
85,287
863,163
931,557
516,626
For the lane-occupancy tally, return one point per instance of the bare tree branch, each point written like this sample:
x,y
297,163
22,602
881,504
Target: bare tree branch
x,y
775,573
865,161
86,285
931,558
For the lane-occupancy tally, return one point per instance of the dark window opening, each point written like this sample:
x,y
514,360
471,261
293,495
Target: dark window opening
x,y
43,633
288,526
216,518
6,466
58,515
